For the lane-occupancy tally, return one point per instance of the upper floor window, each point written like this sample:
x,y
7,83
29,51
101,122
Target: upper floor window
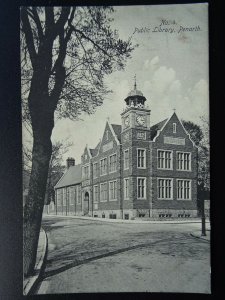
x,y
141,187
95,170
141,158
103,192
126,159
112,190
174,128
103,166
126,188
86,172
107,135
183,161
95,194
164,159
165,186
183,189
112,163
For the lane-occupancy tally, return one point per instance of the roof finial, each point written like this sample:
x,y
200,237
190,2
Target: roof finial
x,y
174,109
135,83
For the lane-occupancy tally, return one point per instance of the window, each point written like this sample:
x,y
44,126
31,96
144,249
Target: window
x,y
174,128
112,190
126,159
64,197
141,158
95,170
126,216
103,192
86,172
107,135
103,166
78,194
165,188
95,193
112,163
126,188
71,194
183,189
59,199
141,188
183,161
165,159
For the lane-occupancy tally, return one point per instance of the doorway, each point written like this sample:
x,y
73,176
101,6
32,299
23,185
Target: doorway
x,y
86,203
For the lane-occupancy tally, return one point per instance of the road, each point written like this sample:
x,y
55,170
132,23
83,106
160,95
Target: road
x,y
93,256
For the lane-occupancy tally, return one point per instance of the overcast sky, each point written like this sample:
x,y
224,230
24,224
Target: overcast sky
x,y
171,69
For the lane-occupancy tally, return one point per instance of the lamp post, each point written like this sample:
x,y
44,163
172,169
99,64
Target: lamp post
x,y
203,217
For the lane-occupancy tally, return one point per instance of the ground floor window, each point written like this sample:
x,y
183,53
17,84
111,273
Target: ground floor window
x,y
141,187
183,189
112,190
112,216
96,193
103,192
165,188
126,216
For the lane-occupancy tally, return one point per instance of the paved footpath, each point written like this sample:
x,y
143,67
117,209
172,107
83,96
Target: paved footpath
x,y
94,256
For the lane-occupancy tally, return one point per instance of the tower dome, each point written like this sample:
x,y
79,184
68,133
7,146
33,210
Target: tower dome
x,y
135,97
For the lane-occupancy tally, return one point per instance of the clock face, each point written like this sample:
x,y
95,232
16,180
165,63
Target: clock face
x,y
140,120
127,121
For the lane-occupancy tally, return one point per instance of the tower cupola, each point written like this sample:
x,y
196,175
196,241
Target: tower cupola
x,y
135,98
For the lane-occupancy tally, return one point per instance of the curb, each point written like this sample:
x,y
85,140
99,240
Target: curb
x,y
127,221
200,237
31,282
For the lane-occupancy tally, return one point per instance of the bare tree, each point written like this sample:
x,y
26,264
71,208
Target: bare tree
x,y
65,54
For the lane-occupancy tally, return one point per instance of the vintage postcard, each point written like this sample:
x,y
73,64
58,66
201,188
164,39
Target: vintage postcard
x,y
115,104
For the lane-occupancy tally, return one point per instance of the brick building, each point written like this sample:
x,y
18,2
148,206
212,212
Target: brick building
x,y
136,170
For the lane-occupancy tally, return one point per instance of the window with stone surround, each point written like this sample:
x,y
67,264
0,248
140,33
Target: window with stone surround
x,y
183,161
78,194
174,128
113,190
112,163
71,195
86,172
64,196
103,192
165,188
95,170
165,159
141,158
126,188
126,159
183,189
95,194
103,166
141,187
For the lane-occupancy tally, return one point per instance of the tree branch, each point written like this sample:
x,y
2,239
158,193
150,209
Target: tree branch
x,y
28,35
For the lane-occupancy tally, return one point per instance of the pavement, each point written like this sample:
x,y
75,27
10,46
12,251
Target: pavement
x,y
135,221
198,234
30,282
86,256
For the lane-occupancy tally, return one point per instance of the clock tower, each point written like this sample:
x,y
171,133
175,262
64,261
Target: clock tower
x,y
136,115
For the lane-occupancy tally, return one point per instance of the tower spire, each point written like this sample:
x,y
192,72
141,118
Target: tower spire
x,y
135,82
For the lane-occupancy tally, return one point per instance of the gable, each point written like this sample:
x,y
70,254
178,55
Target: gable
x,y
86,155
167,135
109,139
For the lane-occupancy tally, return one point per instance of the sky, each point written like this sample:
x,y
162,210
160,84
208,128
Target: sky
x,y
171,67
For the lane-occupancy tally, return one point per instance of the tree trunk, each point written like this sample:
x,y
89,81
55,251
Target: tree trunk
x,y
33,209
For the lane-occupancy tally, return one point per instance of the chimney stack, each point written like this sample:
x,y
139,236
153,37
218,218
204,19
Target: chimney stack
x,y
70,162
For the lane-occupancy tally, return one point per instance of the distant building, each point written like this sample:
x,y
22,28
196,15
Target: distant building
x,y
137,170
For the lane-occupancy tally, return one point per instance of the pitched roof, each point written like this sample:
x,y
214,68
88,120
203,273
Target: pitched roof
x,y
71,176
117,129
157,127
95,150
